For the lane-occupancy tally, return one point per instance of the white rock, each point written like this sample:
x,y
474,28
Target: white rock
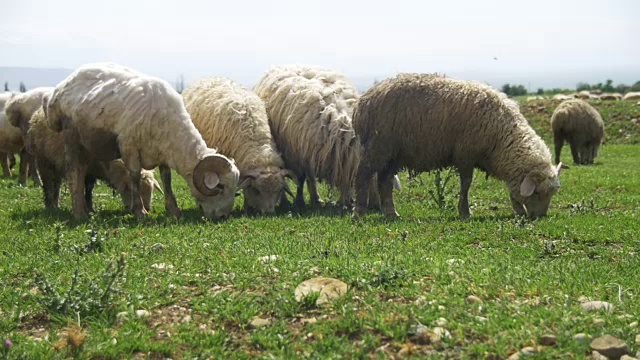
x,y
597,305
633,324
441,308
582,338
472,299
162,266
329,289
627,357
268,258
258,322
142,313
598,321
455,262
597,356
529,350
482,318
441,322
440,333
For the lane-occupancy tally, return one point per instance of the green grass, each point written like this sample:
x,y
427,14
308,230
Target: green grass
x,y
529,275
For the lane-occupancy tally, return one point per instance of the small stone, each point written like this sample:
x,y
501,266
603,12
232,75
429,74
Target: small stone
x,y
514,356
186,319
529,350
627,357
257,323
472,299
441,322
633,324
142,313
420,300
598,321
597,305
548,340
481,319
597,356
455,262
329,289
157,247
312,320
441,308
162,266
440,333
122,316
268,259
582,338
609,346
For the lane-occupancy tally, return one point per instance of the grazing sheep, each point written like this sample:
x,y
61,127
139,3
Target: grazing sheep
x,y
584,94
10,139
561,97
631,96
581,125
426,122
535,98
108,111
234,121
19,110
611,96
310,117
48,148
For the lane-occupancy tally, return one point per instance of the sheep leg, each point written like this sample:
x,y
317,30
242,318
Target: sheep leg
x,y
24,167
575,153
76,172
170,203
89,184
466,176
363,183
4,160
136,201
374,195
385,187
313,191
299,201
50,184
559,142
33,166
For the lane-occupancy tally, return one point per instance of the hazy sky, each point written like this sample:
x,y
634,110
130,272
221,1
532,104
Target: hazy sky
x,y
540,42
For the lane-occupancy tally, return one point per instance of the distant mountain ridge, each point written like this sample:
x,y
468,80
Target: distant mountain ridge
x,y
31,77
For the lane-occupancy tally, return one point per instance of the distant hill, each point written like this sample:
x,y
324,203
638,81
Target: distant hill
x,y
31,77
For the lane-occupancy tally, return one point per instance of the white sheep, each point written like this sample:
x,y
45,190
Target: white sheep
x,y
108,111
426,122
310,117
48,148
631,96
234,121
581,125
611,96
10,138
562,97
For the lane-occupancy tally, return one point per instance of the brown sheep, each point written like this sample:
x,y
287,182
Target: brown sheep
x,y
581,125
425,122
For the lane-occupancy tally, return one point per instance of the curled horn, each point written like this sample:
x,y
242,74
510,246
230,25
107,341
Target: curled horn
x,y
211,164
156,185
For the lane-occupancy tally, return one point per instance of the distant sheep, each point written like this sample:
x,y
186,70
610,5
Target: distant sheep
x,y
425,122
107,111
535,98
234,120
631,96
561,97
584,94
581,125
48,148
310,116
611,96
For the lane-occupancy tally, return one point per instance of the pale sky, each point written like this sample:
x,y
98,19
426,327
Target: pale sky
x,y
540,42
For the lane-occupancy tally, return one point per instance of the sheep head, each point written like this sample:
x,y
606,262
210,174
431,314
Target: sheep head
x,y
533,195
264,187
215,179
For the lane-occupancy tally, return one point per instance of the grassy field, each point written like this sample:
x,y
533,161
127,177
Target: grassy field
x,y
116,288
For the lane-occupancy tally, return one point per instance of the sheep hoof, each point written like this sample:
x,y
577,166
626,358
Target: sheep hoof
x,y
318,203
176,213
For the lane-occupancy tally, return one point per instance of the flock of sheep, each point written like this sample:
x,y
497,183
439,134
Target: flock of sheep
x,y
112,123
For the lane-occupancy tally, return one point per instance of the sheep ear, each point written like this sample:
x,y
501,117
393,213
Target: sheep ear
x,y
528,186
211,179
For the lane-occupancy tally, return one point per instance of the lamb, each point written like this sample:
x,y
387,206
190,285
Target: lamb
x,y
19,110
426,122
234,120
581,125
631,96
48,148
107,111
310,117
